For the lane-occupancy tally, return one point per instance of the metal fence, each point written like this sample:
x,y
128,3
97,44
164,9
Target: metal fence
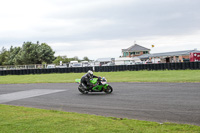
x,y
161,66
17,67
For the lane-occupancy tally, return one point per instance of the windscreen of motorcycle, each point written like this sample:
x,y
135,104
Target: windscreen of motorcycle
x,y
103,82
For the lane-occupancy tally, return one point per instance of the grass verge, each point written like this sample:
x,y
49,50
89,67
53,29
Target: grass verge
x,y
25,120
124,76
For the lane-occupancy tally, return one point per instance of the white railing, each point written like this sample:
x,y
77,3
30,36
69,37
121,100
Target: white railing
x,y
17,67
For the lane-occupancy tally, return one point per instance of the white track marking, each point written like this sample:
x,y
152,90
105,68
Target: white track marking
x,y
25,94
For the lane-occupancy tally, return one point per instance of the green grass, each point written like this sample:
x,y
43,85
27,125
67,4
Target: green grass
x,y
15,119
125,76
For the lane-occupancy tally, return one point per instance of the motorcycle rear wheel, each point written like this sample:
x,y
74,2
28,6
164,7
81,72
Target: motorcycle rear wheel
x,y
109,89
83,91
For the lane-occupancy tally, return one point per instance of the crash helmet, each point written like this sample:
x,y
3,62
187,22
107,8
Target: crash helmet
x,y
90,74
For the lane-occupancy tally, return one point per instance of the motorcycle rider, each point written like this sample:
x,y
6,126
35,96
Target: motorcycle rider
x,y
85,80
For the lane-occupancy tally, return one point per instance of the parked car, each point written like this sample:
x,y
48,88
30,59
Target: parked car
x,y
51,66
77,65
85,63
72,63
61,66
109,64
148,62
138,63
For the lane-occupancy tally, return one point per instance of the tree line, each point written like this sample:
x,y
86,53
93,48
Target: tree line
x,y
32,53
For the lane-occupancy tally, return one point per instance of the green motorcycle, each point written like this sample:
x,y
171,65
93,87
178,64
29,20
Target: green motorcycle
x,y
99,85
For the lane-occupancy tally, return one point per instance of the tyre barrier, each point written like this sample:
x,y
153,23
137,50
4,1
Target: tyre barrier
x,y
137,67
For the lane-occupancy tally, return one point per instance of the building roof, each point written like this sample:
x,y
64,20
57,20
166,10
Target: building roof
x,y
104,59
135,48
144,56
166,54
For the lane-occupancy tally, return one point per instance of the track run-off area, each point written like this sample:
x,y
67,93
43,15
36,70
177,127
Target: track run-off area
x,y
159,102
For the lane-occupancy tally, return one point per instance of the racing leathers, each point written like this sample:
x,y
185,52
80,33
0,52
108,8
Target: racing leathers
x,y
85,81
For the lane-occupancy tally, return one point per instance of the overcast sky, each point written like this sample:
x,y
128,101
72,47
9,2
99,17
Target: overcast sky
x,y
101,28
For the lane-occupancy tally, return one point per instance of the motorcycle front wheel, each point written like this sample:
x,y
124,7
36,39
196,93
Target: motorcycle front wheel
x,y
109,89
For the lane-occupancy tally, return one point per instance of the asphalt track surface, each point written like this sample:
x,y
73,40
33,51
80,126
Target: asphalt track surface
x,y
159,102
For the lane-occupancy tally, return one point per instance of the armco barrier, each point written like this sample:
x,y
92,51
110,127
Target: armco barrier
x,y
138,67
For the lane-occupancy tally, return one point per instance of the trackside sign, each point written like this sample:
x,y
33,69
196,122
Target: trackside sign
x,y
194,57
